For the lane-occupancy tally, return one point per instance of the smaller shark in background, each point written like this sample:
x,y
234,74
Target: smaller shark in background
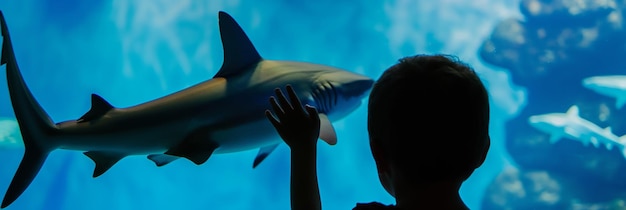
x,y
223,114
611,85
10,137
570,125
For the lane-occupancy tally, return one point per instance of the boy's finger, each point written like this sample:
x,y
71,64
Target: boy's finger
x,y
272,119
312,112
282,100
277,109
295,101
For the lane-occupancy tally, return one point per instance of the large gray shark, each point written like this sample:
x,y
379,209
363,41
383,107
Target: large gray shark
x,y
223,114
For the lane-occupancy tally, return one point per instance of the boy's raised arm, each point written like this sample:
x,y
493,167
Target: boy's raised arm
x,y
299,127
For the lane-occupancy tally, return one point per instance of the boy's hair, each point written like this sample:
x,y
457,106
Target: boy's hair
x,y
430,116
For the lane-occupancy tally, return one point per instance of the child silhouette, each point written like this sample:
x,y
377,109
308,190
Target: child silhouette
x,y
428,125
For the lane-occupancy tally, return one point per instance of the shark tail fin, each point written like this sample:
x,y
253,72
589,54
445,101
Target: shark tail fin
x,y
35,125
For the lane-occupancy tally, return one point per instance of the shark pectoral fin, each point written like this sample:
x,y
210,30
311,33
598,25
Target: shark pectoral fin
x,y
609,146
595,142
327,131
103,160
162,159
196,147
263,153
99,107
572,132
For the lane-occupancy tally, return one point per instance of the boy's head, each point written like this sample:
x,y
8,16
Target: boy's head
x,y
428,119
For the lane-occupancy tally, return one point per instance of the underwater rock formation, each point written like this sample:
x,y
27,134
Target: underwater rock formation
x,y
557,45
540,189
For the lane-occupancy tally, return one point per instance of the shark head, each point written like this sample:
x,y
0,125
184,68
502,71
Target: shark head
x,y
548,123
339,93
334,92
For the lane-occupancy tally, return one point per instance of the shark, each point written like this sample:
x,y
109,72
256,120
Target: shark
x,y
223,114
610,85
571,126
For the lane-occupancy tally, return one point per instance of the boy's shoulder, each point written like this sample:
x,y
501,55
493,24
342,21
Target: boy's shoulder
x,y
374,206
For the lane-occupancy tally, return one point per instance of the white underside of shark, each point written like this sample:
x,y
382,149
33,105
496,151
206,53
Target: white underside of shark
x,y
571,126
223,114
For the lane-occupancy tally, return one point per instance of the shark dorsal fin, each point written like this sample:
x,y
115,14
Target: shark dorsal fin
x,y
99,107
572,111
239,52
608,129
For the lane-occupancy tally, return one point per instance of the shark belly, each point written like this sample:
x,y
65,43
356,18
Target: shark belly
x,y
250,135
146,140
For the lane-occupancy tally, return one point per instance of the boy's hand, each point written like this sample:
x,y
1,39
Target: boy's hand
x,y
299,128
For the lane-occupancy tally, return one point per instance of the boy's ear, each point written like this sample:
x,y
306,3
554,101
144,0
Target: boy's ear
x,y
484,152
379,156
382,166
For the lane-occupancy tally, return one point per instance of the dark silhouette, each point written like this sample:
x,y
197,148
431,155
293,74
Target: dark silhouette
x,y
428,122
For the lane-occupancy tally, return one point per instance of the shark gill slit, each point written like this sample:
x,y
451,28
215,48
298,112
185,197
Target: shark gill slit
x,y
326,94
334,94
319,97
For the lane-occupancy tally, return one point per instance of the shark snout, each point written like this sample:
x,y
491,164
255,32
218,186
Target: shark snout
x,y
587,82
590,82
534,119
361,87
350,84
605,81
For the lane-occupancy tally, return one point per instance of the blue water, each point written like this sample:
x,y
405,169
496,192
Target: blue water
x,y
130,52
